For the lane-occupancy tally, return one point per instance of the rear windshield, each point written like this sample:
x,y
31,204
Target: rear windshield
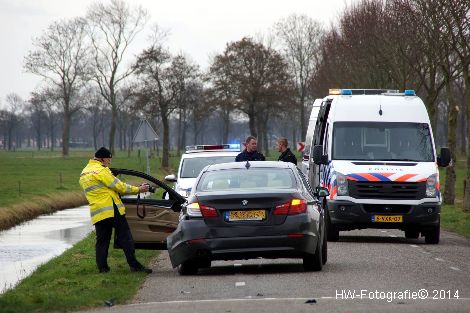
x,y
191,167
253,178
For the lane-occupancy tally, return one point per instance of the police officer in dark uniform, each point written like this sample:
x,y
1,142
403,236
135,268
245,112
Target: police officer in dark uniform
x,y
250,153
286,154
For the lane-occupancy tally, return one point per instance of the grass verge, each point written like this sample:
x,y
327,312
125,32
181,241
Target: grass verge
x,y
71,282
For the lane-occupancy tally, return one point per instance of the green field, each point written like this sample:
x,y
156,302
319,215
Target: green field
x,y
28,174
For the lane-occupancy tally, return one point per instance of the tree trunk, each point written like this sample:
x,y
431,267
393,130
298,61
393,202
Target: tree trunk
x,y
179,135
466,198
66,134
449,192
303,128
226,127
252,120
112,130
166,141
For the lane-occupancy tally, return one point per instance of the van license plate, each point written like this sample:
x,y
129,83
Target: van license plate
x,y
248,215
387,218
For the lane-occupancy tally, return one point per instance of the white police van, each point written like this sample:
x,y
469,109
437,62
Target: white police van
x,y
195,159
305,164
374,151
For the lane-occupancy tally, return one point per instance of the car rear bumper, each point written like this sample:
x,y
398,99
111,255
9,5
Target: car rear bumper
x,y
193,240
347,215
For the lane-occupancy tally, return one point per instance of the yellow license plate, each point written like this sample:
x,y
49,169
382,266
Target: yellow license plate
x,y
249,215
387,218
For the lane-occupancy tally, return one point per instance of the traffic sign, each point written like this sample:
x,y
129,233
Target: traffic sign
x,y
300,146
145,133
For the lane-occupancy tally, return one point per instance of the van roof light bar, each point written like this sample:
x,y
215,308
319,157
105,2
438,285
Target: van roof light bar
x,y
410,92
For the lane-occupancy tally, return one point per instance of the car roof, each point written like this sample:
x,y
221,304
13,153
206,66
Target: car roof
x,y
253,164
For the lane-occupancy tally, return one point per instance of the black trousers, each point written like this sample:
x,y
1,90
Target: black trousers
x,y
104,230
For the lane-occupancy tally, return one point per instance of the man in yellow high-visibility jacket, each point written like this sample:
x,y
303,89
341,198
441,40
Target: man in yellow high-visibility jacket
x,y
102,190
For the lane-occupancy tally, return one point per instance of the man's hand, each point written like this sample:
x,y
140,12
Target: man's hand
x,y
144,188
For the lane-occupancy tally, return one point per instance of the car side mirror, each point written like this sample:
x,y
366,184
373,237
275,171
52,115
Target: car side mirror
x,y
171,178
166,195
321,192
444,158
318,156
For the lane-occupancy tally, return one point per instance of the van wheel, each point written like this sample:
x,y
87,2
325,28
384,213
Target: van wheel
x,y
314,262
411,234
432,236
188,268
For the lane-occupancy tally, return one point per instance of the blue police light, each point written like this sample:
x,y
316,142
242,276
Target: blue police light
x,y
346,92
410,92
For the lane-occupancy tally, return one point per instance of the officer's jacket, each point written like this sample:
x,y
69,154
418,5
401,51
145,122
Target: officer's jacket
x,y
249,156
102,189
288,156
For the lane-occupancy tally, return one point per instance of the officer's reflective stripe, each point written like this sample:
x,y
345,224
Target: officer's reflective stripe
x,y
115,181
128,189
97,186
120,205
106,208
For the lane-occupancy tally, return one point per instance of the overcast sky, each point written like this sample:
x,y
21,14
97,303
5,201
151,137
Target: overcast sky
x,y
199,28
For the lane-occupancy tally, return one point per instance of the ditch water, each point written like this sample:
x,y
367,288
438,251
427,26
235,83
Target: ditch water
x,y
25,247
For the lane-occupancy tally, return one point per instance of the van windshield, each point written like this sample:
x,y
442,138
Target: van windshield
x,y
382,141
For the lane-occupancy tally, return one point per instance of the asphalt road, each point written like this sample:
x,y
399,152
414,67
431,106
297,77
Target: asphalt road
x,y
365,270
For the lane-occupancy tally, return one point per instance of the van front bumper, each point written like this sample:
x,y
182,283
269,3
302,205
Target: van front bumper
x,y
347,215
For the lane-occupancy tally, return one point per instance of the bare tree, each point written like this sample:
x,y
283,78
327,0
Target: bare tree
x,y
112,28
301,36
61,58
456,18
164,80
14,107
257,77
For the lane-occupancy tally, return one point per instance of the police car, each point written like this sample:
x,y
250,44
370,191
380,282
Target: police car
x,y
195,159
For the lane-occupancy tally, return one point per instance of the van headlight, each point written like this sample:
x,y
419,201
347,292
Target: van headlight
x,y
431,186
342,183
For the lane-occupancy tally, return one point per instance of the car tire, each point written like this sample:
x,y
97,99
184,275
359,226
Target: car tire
x,y
331,231
314,262
188,268
411,234
432,236
324,253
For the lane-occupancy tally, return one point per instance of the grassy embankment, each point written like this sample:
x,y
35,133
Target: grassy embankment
x,y
70,282
34,183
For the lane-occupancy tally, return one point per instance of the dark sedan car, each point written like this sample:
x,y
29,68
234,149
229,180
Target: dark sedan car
x,y
249,210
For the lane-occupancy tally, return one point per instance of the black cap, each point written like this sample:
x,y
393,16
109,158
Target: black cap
x,y
102,153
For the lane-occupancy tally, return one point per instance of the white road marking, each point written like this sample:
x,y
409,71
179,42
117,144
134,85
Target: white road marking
x,y
237,265
439,259
414,246
257,299
455,268
383,231
239,283
392,236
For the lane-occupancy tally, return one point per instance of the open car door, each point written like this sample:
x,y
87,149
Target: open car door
x,y
151,216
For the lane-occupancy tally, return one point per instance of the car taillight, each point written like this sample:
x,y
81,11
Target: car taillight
x,y
295,206
207,211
